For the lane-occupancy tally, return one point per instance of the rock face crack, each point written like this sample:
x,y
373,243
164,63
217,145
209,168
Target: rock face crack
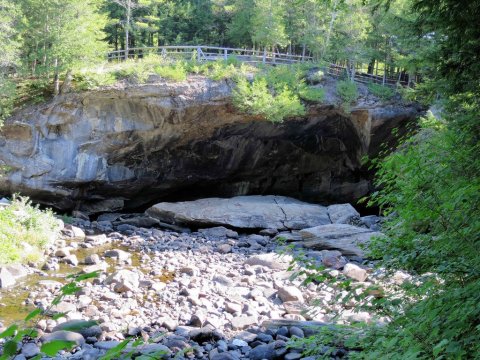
x,y
285,219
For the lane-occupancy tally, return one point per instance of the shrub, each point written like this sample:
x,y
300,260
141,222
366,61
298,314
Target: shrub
x,y
220,70
91,80
175,72
277,77
257,99
348,92
382,92
25,231
8,93
233,60
132,70
312,94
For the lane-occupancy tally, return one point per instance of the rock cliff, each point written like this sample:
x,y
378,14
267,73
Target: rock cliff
x,y
129,146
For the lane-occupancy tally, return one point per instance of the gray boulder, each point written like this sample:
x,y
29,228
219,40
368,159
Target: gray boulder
x,y
345,238
243,212
342,213
64,335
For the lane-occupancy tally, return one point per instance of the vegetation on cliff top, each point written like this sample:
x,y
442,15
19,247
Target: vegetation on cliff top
x,y
45,42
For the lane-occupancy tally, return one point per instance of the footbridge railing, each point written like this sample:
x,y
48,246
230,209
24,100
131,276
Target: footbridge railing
x,y
214,53
208,53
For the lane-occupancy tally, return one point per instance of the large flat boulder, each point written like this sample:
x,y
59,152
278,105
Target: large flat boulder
x,y
345,238
243,212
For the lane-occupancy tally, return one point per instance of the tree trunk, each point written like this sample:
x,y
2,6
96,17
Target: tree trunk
x,y
127,28
56,79
45,58
66,83
116,38
371,65
34,62
330,29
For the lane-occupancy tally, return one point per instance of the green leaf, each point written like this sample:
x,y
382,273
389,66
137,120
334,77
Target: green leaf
x,y
10,348
53,347
9,331
81,277
70,289
33,314
115,351
59,315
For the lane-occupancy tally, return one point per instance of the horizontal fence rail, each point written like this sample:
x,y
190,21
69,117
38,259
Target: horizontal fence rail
x,y
209,53
364,78
214,53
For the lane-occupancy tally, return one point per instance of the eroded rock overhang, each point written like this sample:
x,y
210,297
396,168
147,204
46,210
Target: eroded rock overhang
x,y
131,146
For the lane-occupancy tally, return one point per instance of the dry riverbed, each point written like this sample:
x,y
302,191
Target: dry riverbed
x,y
211,294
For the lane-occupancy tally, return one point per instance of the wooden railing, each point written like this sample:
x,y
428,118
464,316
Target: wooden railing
x,y
209,53
213,53
364,78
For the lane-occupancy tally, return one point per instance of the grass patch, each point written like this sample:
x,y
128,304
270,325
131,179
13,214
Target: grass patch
x,y
384,93
25,231
313,94
175,72
348,92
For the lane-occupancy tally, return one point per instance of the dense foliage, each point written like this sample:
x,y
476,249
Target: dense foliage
x,y
431,191
25,231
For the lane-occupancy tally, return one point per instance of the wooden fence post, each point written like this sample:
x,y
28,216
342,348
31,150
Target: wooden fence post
x,y
198,53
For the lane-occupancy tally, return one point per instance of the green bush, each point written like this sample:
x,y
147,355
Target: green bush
x,y
233,60
277,77
257,99
175,72
430,190
25,231
382,92
220,70
131,70
92,80
348,92
8,92
313,94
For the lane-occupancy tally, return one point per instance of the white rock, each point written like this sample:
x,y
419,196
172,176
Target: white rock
x,y
290,293
271,260
355,272
124,280
242,322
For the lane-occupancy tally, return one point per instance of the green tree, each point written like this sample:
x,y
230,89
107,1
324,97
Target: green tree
x,y
240,28
268,24
9,36
61,34
350,30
